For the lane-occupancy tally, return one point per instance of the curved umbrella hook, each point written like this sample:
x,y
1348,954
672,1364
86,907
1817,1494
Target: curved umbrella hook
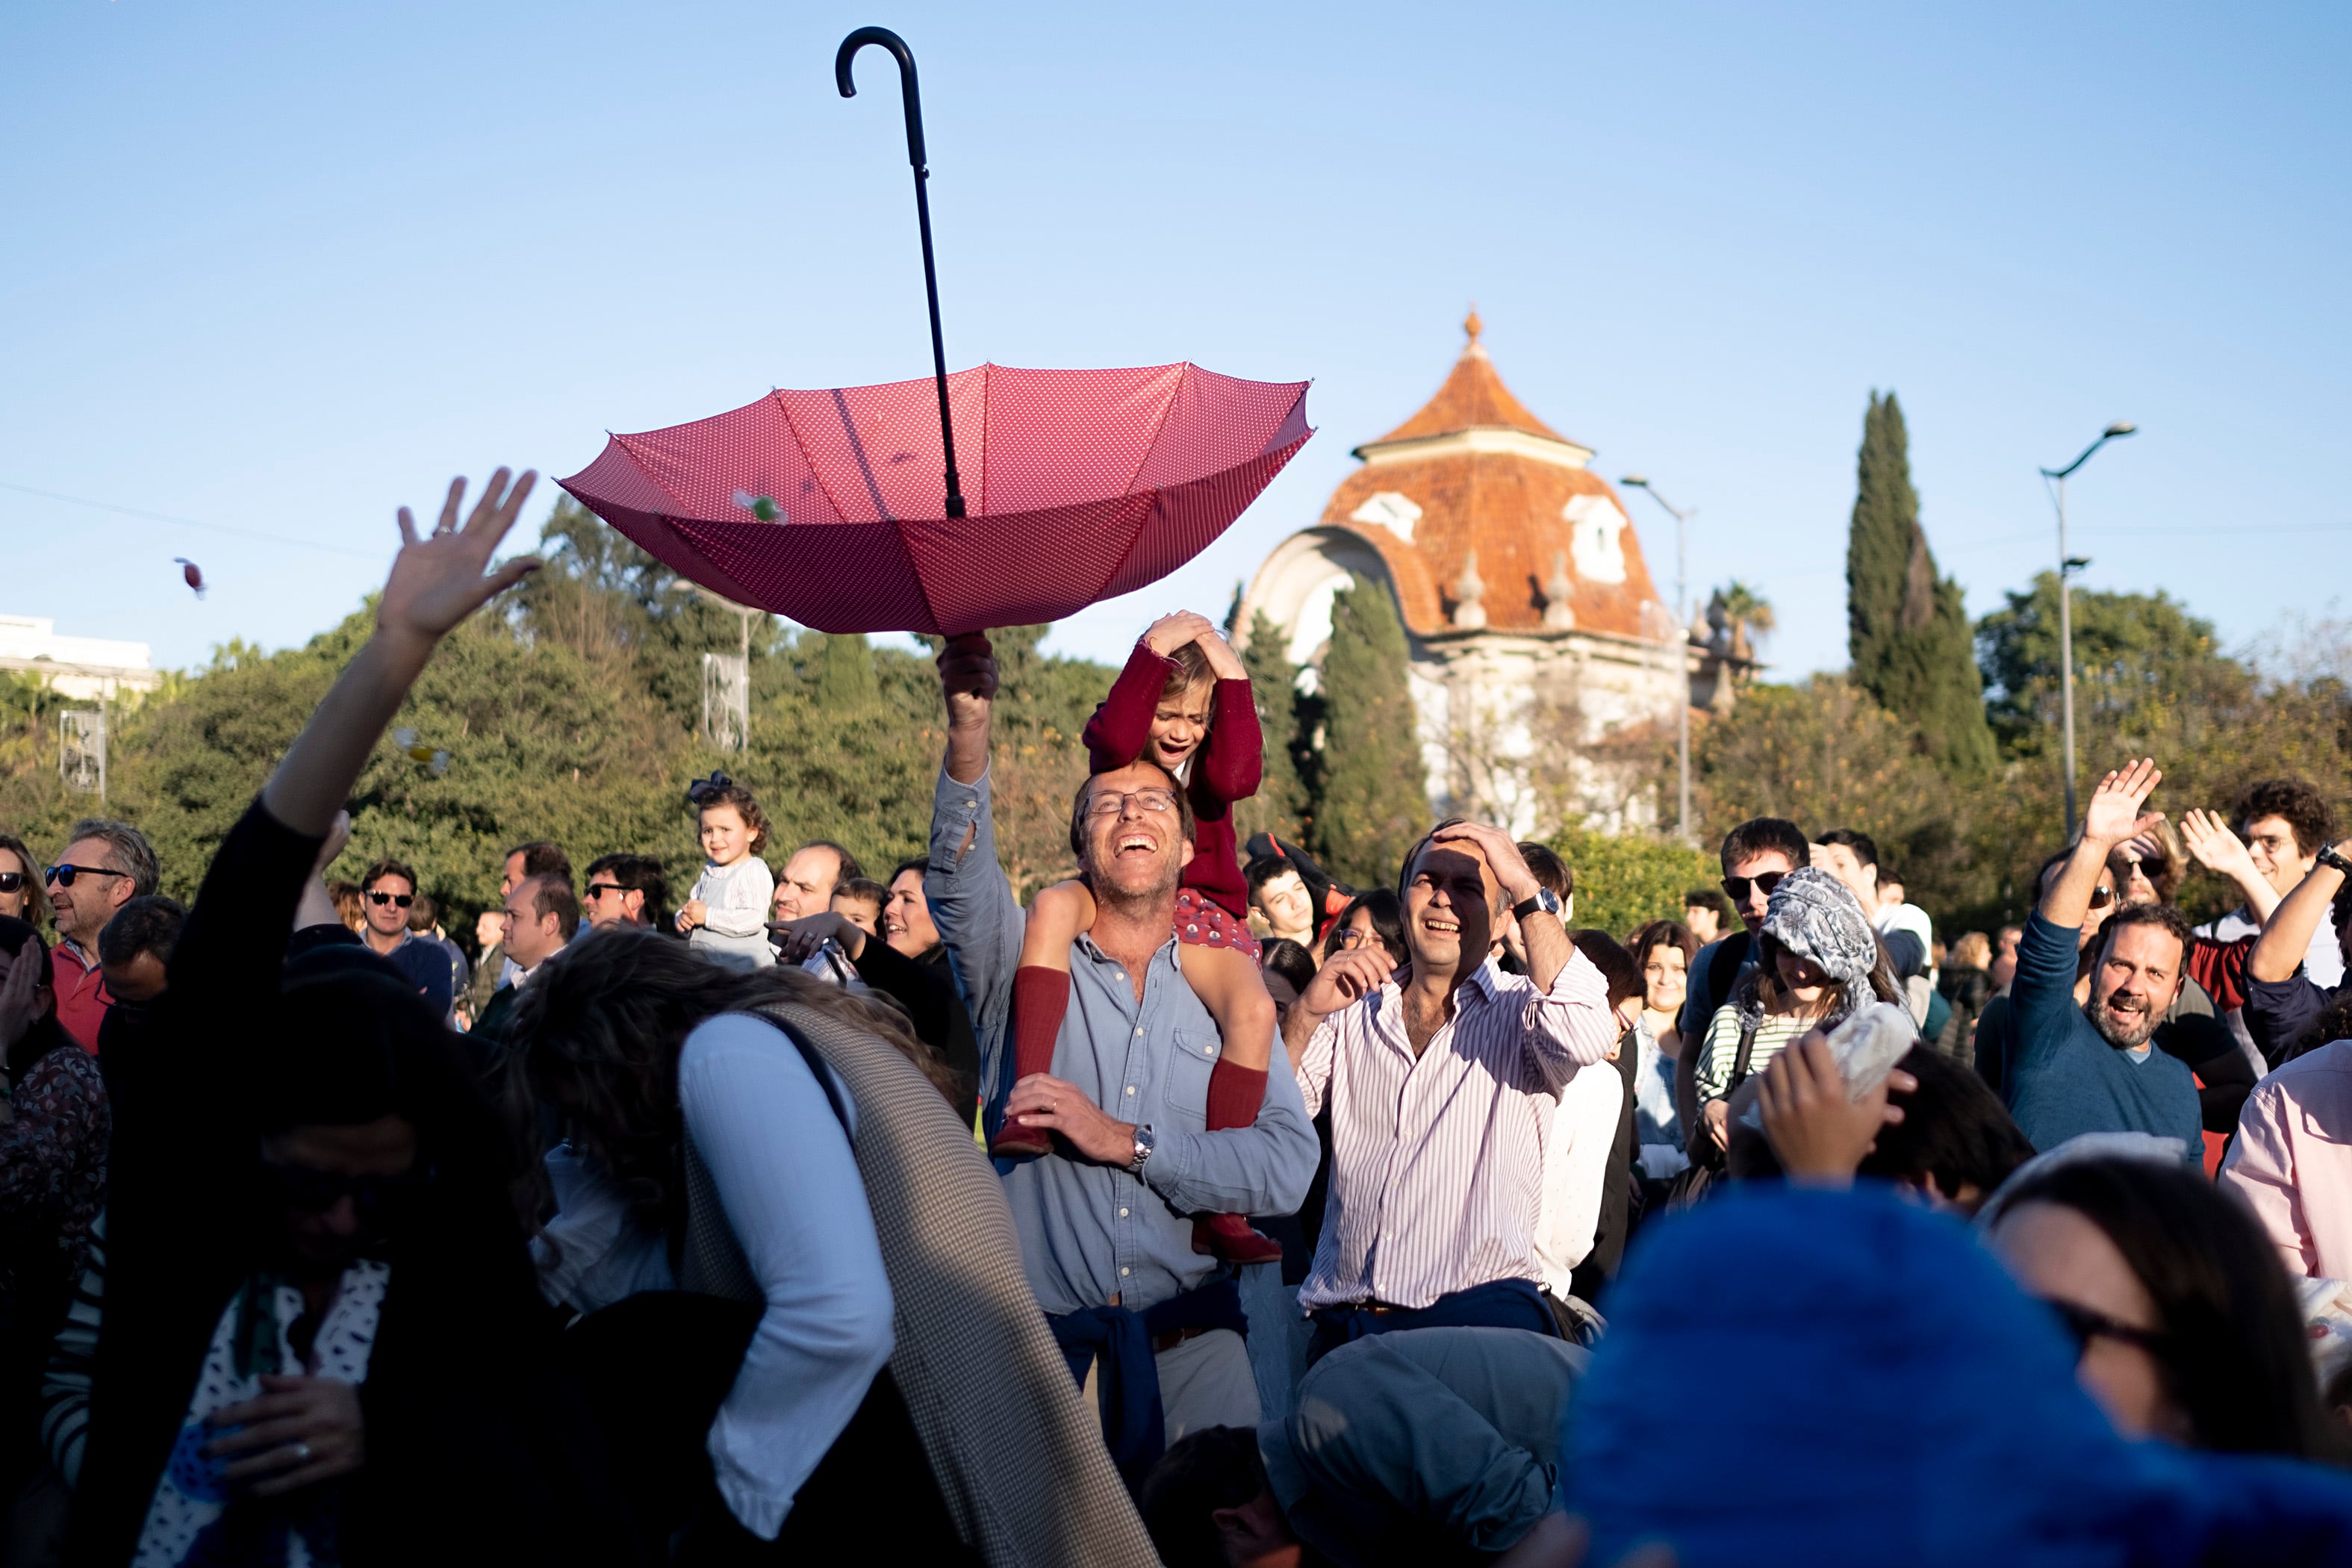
x,y
887,40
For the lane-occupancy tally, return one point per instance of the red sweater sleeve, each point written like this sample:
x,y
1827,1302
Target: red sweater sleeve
x,y
1121,726
1232,759
2221,968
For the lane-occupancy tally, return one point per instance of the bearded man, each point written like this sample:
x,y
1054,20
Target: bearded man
x,y
2092,1067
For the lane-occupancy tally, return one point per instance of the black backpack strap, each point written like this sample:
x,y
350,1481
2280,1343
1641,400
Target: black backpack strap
x,y
1739,1062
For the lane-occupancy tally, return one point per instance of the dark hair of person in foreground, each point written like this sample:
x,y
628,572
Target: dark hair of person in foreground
x,y
601,1032
2233,1353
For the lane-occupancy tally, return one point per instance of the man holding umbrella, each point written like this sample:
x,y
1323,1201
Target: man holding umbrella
x,y
1105,1219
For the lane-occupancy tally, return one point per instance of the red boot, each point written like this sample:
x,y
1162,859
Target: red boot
x,y
1040,997
1231,1237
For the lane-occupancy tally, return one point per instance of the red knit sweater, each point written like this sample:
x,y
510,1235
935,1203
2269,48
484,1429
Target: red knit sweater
x,y
1226,769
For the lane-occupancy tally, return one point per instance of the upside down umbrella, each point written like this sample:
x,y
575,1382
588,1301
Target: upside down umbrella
x,y
828,507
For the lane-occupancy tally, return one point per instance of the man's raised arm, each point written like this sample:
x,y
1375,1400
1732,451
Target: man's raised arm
x,y
971,903
2286,935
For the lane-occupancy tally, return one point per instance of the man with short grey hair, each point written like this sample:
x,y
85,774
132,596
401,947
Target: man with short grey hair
x,y
104,865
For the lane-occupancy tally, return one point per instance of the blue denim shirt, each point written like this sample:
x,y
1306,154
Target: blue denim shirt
x,y
1089,1232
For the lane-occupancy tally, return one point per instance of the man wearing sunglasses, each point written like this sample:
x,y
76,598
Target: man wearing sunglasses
x,y
104,865
1756,855
387,893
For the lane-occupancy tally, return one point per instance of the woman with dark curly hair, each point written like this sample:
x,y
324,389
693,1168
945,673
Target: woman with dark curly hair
x,y
804,1319
2187,1328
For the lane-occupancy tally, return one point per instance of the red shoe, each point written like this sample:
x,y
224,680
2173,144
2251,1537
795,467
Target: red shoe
x,y
1014,1142
1230,1238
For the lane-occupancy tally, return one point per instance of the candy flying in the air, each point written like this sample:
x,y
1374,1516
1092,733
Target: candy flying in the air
x,y
764,508
191,573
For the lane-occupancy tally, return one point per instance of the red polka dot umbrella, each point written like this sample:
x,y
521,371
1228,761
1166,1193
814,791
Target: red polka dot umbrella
x,y
1079,485
828,506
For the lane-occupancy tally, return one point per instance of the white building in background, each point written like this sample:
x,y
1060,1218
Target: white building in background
x,y
84,668
1546,667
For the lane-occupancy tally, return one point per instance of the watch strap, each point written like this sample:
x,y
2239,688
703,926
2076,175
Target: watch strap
x,y
2328,857
1542,901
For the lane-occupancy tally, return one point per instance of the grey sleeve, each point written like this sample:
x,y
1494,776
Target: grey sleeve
x,y
980,923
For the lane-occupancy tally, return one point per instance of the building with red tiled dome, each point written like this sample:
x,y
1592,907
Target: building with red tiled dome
x,y
1546,666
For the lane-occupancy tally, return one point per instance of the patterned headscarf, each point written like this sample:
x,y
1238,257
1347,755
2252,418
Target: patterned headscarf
x,y
1815,915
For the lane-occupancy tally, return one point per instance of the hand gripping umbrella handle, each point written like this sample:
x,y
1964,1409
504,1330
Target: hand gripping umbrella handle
x,y
915,155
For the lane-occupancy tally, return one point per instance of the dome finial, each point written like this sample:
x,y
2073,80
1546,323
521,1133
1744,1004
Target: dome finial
x,y
1473,325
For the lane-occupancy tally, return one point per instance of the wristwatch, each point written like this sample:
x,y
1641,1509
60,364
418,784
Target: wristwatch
x,y
2328,857
1545,902
1143,1147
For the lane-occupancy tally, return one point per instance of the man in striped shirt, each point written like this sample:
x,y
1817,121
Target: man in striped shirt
x,y
1443,1078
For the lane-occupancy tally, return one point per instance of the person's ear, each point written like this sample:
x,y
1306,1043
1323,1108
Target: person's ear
x,y
1184,853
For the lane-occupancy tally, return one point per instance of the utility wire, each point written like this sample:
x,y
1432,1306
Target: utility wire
x,y
191,523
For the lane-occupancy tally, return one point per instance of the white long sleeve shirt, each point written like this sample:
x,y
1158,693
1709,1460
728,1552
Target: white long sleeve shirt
x,y
1575,1170
789,1183
1437,1161
734,928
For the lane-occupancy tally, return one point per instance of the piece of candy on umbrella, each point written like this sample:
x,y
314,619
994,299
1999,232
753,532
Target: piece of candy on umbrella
x,y
191,573
440,762
764,508
404,738
422,753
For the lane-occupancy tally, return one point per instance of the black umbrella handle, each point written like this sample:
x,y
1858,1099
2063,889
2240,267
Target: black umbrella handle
x,y
915,155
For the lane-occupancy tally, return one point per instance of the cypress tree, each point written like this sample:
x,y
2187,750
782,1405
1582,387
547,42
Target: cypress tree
x,y
844,672
1288,733
1908,632
1374,799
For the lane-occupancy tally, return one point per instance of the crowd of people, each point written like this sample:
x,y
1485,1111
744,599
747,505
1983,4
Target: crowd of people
x,y
1203,1211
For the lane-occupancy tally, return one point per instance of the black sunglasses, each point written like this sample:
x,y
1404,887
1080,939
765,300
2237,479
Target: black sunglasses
x,y
2085,1324
1764,882
598,889
2102,897
402,900
311,1191
12,881
63,873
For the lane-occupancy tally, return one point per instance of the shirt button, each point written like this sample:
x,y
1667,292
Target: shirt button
x,y
1122,1273
1139,1034
1130,1088
1122,1214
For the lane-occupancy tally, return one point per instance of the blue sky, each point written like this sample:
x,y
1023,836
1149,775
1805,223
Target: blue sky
x,y
281,268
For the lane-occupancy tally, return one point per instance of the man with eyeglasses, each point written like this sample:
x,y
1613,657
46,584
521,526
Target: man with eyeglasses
x,y
1104,1218
1756,855
386,894
104,866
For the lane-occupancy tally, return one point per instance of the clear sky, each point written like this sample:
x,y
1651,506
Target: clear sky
x,y
281,268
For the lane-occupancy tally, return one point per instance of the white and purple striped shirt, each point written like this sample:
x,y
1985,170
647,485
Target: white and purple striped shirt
x,y
1437,1162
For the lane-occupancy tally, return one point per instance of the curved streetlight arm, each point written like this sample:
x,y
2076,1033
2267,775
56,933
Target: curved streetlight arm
x,y
885,39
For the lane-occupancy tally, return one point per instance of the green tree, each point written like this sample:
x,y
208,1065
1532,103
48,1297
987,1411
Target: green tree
x,y
1906,631
1285,720
846,678
1625,881
1373,802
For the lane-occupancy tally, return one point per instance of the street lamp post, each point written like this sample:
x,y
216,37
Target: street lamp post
x,y
2067,566
1682,659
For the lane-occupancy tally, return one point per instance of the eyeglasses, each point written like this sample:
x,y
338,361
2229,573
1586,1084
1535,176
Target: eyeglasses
x,y
598,889
1356,936
1763,882
12,881
63,875
402,900
1113,803
2085,1324
309,1190
2102,897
